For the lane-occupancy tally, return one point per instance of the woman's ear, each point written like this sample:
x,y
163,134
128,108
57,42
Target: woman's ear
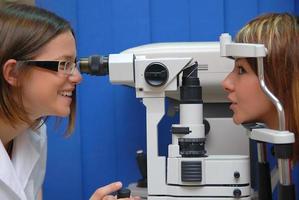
x,y
9,71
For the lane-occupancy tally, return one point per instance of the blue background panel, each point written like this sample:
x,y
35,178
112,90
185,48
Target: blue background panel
x,y
130,24
169,20
111,121
206,20
238,13
276,6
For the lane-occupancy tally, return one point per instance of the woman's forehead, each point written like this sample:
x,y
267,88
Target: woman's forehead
x,y
62,46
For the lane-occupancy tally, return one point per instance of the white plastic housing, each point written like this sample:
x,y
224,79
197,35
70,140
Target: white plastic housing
x,y
213,68
121,68
272,136
217,170
243,50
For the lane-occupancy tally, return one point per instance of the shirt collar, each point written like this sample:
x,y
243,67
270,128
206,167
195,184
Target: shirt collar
x,y
16,172
8,174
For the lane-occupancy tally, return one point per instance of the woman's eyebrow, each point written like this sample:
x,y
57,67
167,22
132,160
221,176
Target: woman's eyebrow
x,y
66,57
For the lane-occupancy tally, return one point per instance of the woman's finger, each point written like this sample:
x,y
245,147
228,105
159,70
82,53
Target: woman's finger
x,y
100,193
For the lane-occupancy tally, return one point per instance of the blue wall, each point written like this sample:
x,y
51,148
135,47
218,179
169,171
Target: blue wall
x,y
111,121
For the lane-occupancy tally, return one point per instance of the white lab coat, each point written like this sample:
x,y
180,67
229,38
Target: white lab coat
x,y
21,177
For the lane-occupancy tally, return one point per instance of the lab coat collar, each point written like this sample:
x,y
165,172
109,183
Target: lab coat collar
x,y
26,153
15,172
8,174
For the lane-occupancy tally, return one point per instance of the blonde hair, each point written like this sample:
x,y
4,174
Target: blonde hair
x,y
279,33
24,30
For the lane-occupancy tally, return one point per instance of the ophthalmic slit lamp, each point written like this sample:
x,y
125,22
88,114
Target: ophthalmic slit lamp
x,y
179,71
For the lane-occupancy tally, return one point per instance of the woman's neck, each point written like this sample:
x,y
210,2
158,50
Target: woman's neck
x,y
8,133
271,120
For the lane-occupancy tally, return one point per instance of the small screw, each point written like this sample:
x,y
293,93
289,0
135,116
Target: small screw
x,y
237,174
237,193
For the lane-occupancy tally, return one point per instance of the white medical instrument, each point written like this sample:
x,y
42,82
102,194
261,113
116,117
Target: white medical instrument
x,y
192,73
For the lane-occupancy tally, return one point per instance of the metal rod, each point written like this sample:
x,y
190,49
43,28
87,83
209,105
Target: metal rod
x,y
275,101
284,175
284,165
261,152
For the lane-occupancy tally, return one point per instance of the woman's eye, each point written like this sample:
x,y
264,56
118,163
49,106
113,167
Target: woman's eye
x,y
62,64
241,70
68,65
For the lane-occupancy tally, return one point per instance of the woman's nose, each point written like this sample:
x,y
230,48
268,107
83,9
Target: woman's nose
x,y
227,83
76,77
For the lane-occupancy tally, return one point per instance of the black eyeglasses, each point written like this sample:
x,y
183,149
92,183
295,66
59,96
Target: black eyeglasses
x,y
64,67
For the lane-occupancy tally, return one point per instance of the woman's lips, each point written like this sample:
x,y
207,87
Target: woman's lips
x,y
233,106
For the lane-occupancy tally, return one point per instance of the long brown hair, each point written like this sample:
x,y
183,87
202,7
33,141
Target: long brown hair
x,y
24,30
279,33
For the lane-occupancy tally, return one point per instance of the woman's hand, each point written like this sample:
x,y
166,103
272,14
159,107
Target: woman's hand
x,y
104,193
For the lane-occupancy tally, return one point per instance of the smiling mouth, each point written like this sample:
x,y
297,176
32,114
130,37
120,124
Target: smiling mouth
x,y
66,93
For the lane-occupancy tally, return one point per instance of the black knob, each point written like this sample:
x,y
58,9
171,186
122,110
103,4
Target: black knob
x,y
156,74
123,193
237,174
237,193
207,126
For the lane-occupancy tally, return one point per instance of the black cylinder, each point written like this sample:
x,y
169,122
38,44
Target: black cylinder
x,y
190,91
265,191
142,166
286,192
94,65
192,147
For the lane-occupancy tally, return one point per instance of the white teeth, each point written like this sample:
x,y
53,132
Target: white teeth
x,y
66,93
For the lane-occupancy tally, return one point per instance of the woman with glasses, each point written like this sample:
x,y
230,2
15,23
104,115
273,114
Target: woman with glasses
x,y
38,77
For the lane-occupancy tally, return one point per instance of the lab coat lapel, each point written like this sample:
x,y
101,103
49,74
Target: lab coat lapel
x,y
25,155
8,174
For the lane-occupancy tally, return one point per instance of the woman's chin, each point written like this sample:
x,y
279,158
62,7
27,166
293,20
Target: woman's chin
x,y
237,121
63,113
